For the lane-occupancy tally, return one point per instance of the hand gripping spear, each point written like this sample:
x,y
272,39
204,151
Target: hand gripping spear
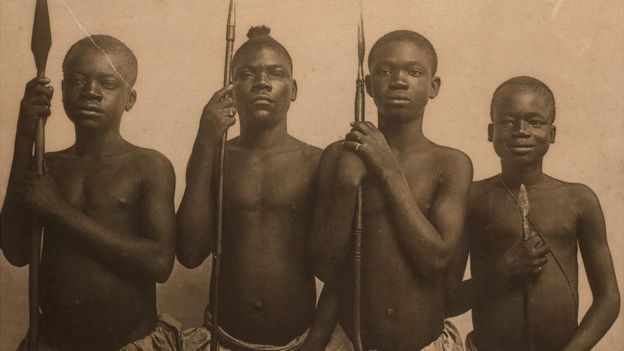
x,y
216,254
357,225
523,202
40,45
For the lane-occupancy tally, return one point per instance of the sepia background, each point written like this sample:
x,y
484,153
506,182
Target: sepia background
x,y
576,47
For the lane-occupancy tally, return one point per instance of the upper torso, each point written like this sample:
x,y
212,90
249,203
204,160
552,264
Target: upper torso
x,y
495,224
84,300
267,291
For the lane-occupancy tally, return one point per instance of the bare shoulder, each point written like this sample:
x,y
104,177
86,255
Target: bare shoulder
x,y
455,166
484,188
581,195
151,163
309,152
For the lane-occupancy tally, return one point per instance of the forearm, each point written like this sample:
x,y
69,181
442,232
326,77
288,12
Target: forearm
x,y
195,217
137,256
598,319
332,230
422,243
325,320
461,298
17,221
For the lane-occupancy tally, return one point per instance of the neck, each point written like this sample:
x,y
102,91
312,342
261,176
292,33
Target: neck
x,y
401,134
262,135
513,174
91,143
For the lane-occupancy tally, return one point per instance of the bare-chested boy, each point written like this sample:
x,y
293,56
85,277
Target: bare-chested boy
x,y
107,209
562,216
414,195
267,289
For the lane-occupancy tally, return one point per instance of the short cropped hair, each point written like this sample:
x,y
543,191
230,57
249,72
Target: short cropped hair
x,y
259,38
519,84
406,36
110,46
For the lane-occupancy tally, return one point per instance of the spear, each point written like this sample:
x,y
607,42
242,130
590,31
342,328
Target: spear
x,y
40,44
216,255
357,226
523,202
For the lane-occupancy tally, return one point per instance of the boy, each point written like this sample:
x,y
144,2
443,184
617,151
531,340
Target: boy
x,y
414,194
267,291
561,215
106,205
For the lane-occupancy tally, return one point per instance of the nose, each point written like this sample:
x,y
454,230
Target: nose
x,y
520,129
261,83
398,80
91,91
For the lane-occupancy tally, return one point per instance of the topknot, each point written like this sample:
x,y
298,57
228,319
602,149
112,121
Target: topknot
x,y
258,31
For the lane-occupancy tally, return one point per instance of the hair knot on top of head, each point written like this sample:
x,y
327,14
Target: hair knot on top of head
x,y
258,39
258,31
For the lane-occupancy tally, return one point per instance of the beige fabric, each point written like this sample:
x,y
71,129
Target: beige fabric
x,y
449,340
470,346
198,339
166,337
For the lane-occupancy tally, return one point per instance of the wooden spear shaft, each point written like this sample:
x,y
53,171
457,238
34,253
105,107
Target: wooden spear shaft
x,y
40,45
357,222
523,202
216,254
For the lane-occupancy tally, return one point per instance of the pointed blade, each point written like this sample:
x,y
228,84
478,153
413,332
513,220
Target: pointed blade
x,y
232,14
41,36
361,42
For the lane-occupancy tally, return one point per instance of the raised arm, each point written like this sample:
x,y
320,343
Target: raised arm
x,y
195,217
330,240
594,248
17,219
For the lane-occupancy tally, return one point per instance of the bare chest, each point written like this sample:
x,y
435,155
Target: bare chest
x,y
268,183
105,187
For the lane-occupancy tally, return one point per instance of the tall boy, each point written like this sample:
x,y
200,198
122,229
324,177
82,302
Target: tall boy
x,y
267,290
414,195
106,205
563,215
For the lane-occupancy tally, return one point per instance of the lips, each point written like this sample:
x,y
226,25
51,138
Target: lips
x,y
89,109
261,99
521,149
398,100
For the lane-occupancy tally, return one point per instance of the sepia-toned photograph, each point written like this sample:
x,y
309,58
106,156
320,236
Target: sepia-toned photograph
x,y
358,175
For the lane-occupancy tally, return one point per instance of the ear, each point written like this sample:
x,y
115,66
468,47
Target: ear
x,y
490,132
435,87
553,131
369,85
293,91
132,96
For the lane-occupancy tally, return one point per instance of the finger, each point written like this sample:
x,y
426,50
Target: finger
x,y
352,146
38,111
220,94
540,261
537,270
541,250
37,81
359,126
230,121
42,100
355,136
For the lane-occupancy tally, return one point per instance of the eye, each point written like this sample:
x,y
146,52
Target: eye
x,y
245,75
109,84
537,123
415,72
506,123
277,74
75,81
383,72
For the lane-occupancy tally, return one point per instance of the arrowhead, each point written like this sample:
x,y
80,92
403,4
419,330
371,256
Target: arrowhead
x,y
523,200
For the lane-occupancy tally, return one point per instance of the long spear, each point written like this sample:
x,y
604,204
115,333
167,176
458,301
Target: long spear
x,y
40,44
523,202
357,226
216,255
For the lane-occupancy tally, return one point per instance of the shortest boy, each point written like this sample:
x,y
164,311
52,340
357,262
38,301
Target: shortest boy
x,y
106,206
561,215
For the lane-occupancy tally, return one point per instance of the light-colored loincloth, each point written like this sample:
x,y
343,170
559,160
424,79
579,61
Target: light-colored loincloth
x,y
470,346
449,340
166,337
198,339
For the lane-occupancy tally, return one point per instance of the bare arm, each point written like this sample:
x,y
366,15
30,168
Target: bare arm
x,y
196,215
329,243
18,219
325,319
600,274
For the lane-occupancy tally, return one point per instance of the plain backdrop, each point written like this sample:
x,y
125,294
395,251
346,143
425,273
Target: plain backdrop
x,y
576,47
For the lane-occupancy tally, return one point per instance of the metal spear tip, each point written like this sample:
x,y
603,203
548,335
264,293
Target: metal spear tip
x,y
41,36
361,42
523,200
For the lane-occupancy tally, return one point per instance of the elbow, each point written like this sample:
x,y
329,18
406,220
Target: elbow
x,y
190,260
613,305
17,260
163,266
436,266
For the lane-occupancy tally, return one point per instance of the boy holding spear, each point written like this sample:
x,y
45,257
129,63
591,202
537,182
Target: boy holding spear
x,y
557,215
106,207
